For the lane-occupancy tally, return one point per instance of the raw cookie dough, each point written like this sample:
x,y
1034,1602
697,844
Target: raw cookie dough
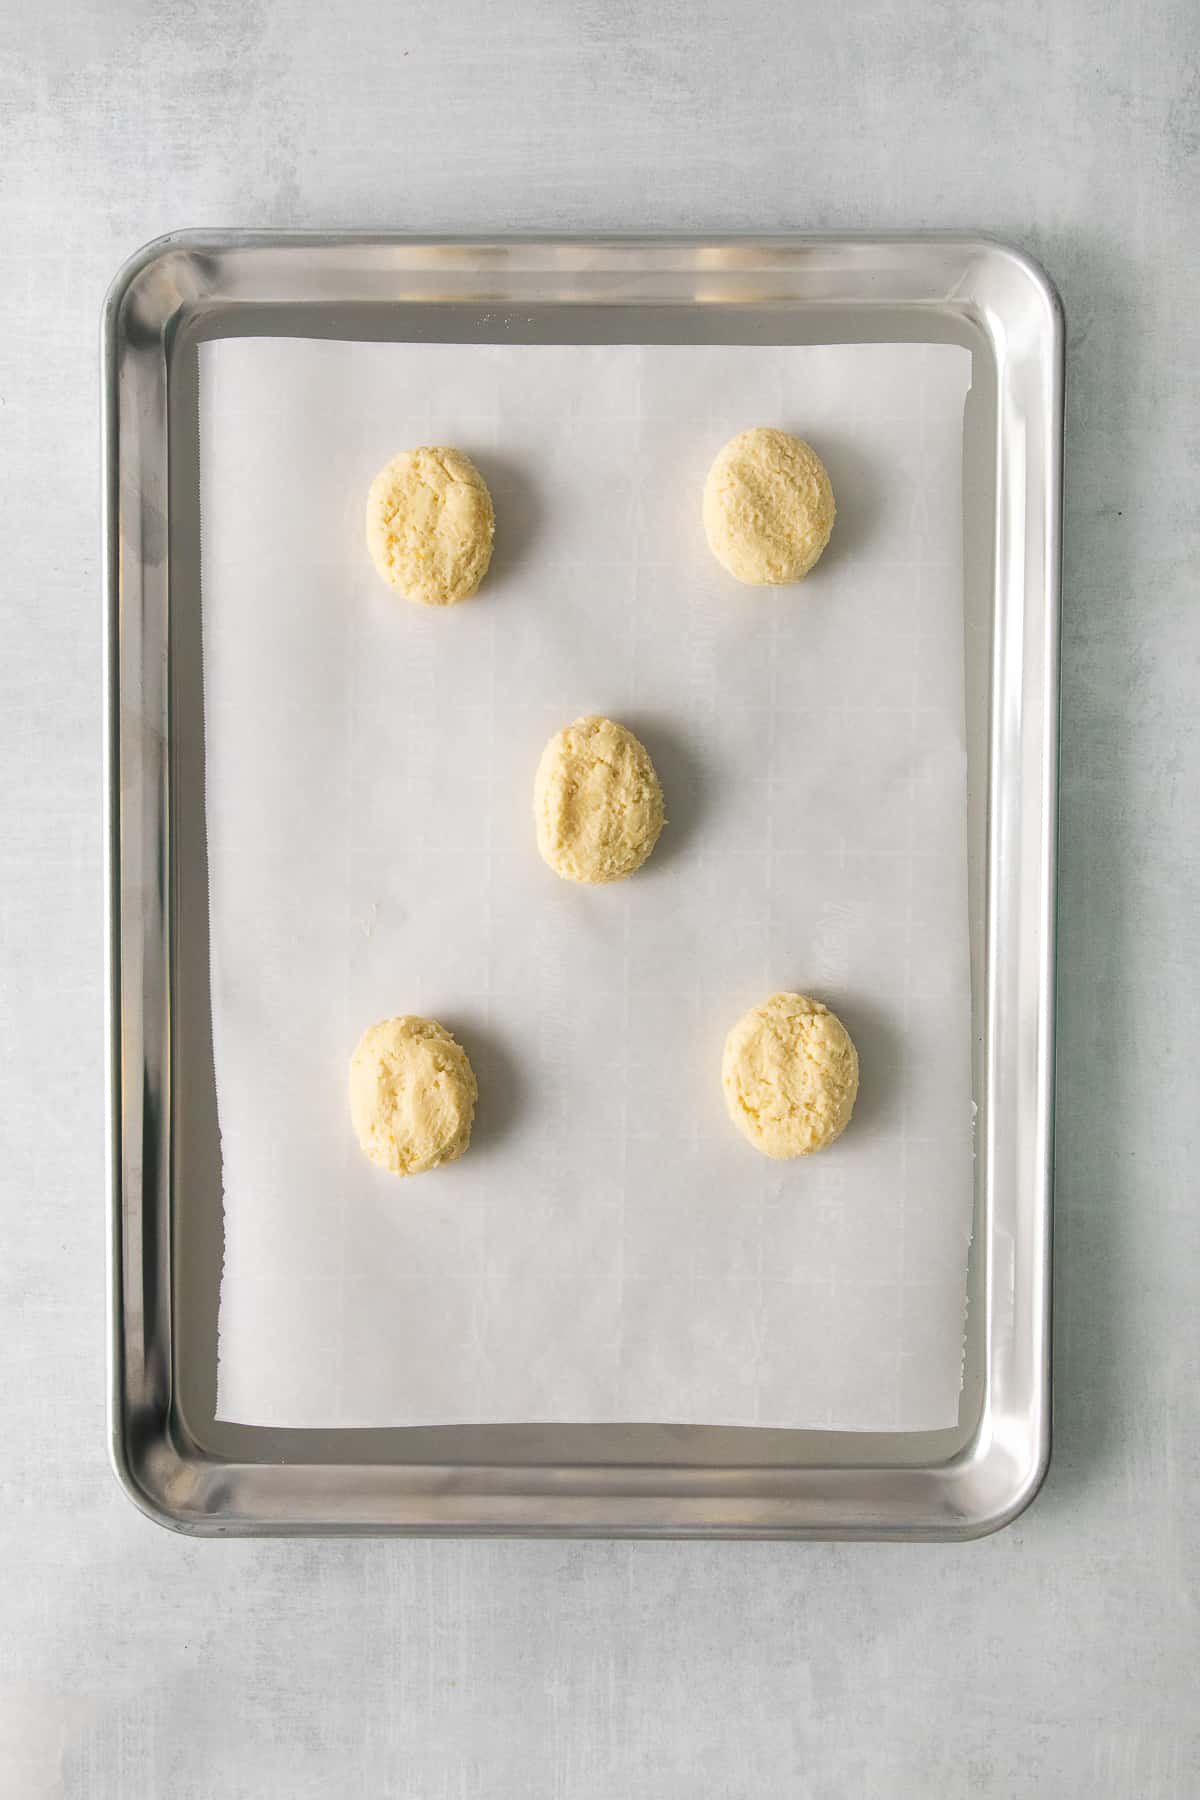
x,y
768,507
790,1074
597,801
430,524
412,1095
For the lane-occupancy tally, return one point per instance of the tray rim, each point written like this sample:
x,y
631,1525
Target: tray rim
x,y
998,1474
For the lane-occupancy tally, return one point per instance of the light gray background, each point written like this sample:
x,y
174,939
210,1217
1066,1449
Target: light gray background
x,y
1057,1659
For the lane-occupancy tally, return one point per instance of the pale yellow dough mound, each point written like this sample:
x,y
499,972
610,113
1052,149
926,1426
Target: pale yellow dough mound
x,y
597,802
412,1095
430,525
768,507
790,1073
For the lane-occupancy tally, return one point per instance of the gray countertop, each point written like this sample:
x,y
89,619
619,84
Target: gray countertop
x,y
1057,1658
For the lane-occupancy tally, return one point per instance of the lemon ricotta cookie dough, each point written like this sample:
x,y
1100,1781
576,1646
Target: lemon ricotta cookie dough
x,y
768,507
430,524
412,1095
790,1074
597,802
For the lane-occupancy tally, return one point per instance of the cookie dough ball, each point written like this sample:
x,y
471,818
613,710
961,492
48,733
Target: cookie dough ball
x,y
597,801
790,1074
768,507
412,1095
430,525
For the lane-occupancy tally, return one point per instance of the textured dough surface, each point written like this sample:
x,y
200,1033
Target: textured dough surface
x,y
597,801
768,507
430,525
412,1095
790,1074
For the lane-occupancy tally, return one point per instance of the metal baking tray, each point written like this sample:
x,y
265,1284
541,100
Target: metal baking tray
x,y
176,1461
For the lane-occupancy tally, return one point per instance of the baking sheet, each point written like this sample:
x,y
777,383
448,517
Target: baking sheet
x,y
610,1249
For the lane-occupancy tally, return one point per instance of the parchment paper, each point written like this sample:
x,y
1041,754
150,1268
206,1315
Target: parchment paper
x,y
610,1248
